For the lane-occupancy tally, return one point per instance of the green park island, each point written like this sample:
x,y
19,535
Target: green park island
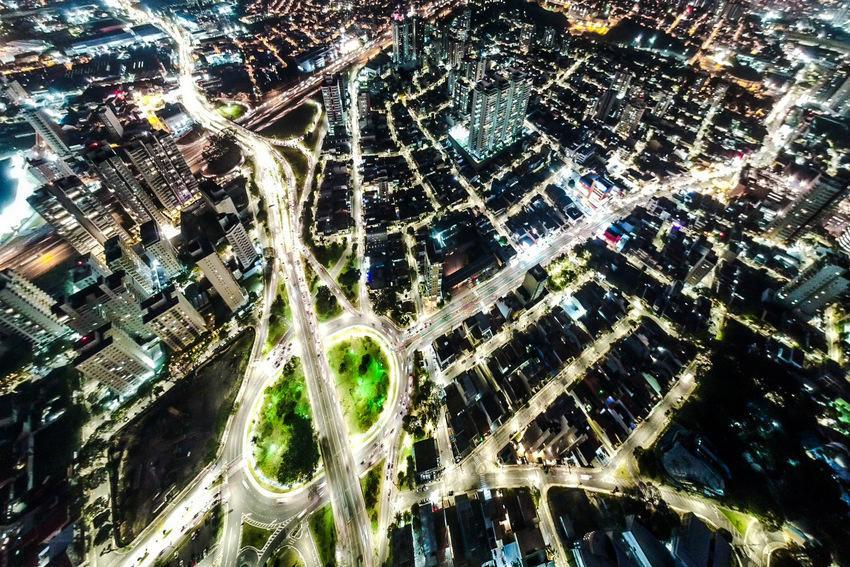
x,y
284,449
360,363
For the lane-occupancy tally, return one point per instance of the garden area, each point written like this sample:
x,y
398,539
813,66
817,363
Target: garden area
x,y
361,368
372,484
324,533
161,450
298,162
349,278
280,318
253,536
292,124
327,305
284,444
565,269
232,110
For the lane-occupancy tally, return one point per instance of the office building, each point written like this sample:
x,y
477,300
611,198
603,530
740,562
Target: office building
x,y
109,356
406,40
159,250
119,180
240,242
171,317
609,103
630,118
333,96
217,198
217,273
48,131
499,106
25,310
120,257
105,114
816,287
811,208
164,169
533,285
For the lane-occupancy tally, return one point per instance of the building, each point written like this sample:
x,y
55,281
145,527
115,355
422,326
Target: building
x,y
120,257
533,285
76,214
48,131
217,198
47,168
811,208
240,242
160,250
87,271
406,40
109,356
333,96
217,273
696,545
171,317
164,169
105,114
610,101
25,310
499,106
816,287
630,118
426,459
118,179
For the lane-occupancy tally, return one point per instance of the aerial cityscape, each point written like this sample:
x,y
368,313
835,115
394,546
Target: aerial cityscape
x,y
424,283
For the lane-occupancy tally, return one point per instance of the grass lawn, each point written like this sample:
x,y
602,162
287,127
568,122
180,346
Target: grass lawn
x,y
298,162
285,557
292,124
327,305
324,533
372,486
284,444
349,279
280,317
737,519
232,111
361,370
255,537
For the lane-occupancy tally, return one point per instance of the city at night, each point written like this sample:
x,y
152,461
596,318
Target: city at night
x,y
424,283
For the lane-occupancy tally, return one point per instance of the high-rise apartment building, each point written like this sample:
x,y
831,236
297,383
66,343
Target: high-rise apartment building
x,y
811,207
160,250
164,169
25,310
76,213
240,242
87,271
118,179
333,96
105,114
815,288
217,273
47,169
109,356
119,257
406,40
630,118
49,131
610,101
171,317
499,106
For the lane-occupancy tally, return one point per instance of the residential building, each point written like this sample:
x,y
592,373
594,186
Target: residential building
x,y
610,101
217,273
533,285
119,256
630,118
48,131
815,288
109,356
77,215
25,310
333,96
499,106
164,169
240,242
105,114
171,317
159,249
811,208
696,545
406,40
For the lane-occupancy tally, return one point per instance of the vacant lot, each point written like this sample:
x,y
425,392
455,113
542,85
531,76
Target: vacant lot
x,y
284,444
361,370
160,451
